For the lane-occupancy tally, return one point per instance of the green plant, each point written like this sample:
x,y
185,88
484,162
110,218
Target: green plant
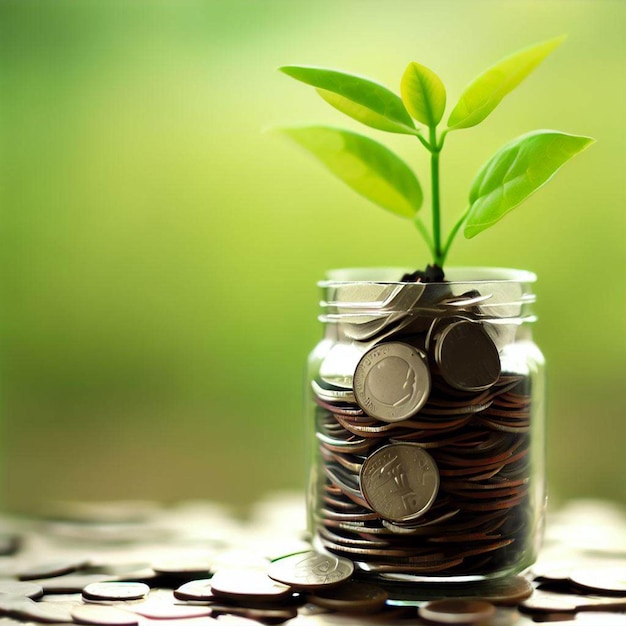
x,y
511,175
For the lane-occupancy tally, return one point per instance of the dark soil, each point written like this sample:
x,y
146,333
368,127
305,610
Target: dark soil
x,y
432,274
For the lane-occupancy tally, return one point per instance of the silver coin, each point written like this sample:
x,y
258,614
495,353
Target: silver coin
x,y
182,567
339,364
332,395
116,591
400,481
467,357
311,570
392,381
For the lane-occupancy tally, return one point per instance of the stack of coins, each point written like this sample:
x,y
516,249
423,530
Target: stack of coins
x,y
423,441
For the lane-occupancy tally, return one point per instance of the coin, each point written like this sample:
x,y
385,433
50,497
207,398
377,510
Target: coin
x,y
548,602
332,395
71,583
338,366
247,584
47,612
311,570
399,481
116,591
165,609
251,615
103,615
351,597
457,611
51,569
17,588
392,381
467,357
608,579
182,567
195,590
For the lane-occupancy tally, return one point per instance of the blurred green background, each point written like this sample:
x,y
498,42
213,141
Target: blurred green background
x,y
160,252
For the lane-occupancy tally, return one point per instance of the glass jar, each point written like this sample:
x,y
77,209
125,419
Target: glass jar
x,y
426,408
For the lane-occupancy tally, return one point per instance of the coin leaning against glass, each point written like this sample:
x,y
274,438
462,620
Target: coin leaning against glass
x,y
400,481
392,381
467,356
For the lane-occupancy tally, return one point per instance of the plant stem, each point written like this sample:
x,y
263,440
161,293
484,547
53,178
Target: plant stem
x,y
423,141
434,182
452,235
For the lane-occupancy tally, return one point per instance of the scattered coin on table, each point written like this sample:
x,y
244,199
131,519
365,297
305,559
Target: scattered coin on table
x,y
52,569
103,615
612,580
116,591
350,597
315,588
311,570
457,611
19,588
248,584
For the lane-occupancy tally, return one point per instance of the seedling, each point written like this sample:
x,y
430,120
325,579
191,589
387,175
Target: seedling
x,y
512,174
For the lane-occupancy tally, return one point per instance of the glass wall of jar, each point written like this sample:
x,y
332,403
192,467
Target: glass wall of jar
x,y
426,411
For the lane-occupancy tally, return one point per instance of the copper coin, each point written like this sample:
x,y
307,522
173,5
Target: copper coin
x,y
195,590
103,615
264,615
351,597
457,611
248,584
608,579
166,609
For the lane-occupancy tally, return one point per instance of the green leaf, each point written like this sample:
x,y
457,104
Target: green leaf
x,y
484,94
368,102
515,172
423,94
365,165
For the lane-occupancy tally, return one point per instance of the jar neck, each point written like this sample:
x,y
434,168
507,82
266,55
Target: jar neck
x,y
364,308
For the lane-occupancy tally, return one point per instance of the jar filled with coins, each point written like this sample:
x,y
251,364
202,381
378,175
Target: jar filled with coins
x,y
427,425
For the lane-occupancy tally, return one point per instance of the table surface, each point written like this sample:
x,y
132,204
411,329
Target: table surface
x,y
126,541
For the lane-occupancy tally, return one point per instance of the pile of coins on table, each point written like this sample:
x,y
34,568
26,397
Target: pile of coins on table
x,y
195,565
424,464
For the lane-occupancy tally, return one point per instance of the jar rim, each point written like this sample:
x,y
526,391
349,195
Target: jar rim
x,y
455,275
